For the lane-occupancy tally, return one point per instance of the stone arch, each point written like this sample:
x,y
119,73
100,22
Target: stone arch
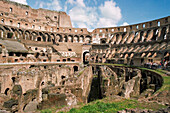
x,y
2,32
20,31
112,39
39,38
141,36
65,38
149,35
155,34
81,39
48,37
57,38
123,36
52,37
43,36
27,35
88,39
10,35
7,28
70,38
34,35
163,33
86,57
117,38
76,39
17,33
103,41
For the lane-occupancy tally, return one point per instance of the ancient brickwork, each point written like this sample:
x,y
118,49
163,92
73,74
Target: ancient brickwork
x,y
45,62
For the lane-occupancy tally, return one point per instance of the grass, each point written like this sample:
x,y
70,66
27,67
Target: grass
x,y
81,72
103,106
110,105
46,111
166,84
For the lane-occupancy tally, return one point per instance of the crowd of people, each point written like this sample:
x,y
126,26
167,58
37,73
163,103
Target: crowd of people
x,y
165,64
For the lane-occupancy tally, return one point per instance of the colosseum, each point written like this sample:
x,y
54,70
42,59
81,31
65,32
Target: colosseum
x,y
45,62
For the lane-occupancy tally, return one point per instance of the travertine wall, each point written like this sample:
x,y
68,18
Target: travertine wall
x,y
24,14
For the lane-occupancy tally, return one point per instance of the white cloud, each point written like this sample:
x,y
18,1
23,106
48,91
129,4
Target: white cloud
x,y
52,5
20,1
80,3
125,24
106,15
110,14
82,16
70,1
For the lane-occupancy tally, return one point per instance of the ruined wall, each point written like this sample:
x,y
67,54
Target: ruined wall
x,y
123,81
33,18
30,76
43,86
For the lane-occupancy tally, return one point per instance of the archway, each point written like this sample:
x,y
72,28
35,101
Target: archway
x,y
103,41
86,56
38,38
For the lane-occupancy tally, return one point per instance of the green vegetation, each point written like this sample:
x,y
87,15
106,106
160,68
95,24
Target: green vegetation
x,y
46,111
166,84
81,72
105,107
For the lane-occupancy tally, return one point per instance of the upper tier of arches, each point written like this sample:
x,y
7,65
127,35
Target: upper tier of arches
x,y
8,32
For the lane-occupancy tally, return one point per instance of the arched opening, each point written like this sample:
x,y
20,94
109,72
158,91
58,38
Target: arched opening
x,y
13,79
60,38
75,68
65,39
163,33
155,34
6,91
42,83
103,41
141,36
43,36
48,37
39,39
9,35
86,56
62,77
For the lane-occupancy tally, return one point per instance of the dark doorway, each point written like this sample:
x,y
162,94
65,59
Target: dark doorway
x,y
75,68
39,39
86,57
103,41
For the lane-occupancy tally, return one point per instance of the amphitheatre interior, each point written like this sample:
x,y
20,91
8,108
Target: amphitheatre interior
x,y
45,62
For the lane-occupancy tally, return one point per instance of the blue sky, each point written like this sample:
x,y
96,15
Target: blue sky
x,y
93,14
